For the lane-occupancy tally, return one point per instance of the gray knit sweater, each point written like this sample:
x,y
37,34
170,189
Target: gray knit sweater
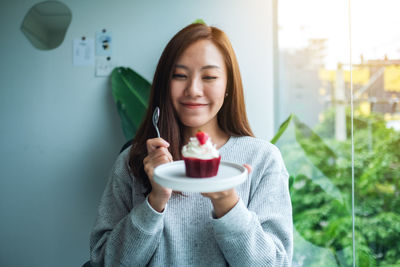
x,y
258,231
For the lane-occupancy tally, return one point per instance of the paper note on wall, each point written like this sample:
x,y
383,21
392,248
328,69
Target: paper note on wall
x,y
83,52
103,43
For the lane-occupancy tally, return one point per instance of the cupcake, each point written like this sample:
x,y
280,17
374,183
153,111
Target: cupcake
x,y
201,156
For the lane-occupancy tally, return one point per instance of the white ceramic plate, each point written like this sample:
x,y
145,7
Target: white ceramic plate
x,y
172,175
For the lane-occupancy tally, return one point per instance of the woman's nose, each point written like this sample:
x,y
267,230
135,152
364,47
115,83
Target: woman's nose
x,y
194,87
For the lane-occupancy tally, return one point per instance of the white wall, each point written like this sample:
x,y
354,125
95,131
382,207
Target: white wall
x,y
60,132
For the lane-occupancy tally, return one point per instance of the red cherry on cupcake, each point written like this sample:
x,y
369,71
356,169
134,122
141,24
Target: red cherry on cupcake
x,y
202,137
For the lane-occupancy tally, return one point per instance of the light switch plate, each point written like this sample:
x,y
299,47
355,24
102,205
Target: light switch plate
x,y
104,66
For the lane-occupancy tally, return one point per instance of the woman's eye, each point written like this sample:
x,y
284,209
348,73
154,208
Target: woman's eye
x,y
179,76
209,77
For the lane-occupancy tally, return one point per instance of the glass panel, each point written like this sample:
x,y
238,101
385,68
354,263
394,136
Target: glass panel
x,y
313,44
376,84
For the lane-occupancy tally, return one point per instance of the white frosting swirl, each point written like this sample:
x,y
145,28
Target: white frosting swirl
x,y
195,150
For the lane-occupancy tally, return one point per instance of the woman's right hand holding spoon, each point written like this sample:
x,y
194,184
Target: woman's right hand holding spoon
x,y
157,154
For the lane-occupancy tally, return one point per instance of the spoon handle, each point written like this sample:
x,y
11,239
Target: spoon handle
x,y
158,132
156,115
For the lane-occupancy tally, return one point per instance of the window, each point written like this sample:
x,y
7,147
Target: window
x,y
316,82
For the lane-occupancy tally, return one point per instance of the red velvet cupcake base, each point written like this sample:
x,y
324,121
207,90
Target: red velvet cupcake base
x,y
201,168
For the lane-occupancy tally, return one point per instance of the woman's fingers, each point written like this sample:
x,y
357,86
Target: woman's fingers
x,y
149,168
151,162
161,159
154,143
248,167
158,154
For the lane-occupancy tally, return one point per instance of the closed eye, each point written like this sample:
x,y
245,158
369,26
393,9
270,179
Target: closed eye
x,y
209,77
179,76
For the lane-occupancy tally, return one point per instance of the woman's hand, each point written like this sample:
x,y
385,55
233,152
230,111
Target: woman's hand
x,y
224,201
157,154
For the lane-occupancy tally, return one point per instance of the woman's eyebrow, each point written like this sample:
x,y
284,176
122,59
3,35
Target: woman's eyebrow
x,y
202,68
210,67
181,66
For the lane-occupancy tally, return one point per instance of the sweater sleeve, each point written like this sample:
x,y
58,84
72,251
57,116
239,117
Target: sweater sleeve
x,y
125,233
262,233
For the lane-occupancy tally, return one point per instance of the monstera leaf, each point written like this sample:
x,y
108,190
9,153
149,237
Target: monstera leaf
x,y
131,93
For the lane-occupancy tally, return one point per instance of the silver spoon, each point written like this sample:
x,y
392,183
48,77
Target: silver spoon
x,y
156,116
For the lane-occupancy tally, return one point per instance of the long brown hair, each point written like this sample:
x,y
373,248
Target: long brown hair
x,y
232,117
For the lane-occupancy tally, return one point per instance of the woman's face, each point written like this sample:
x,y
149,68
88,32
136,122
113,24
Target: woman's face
x,y
198,85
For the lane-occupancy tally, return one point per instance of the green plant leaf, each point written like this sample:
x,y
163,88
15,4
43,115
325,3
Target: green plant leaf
x,y
282,129
325,220
315,149
128,128
131,93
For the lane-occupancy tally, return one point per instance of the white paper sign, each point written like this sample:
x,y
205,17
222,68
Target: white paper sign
x,y
83,52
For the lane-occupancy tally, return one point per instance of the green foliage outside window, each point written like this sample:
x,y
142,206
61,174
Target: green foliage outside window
x,y
321,192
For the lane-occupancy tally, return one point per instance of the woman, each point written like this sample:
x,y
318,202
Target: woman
x,y
197,85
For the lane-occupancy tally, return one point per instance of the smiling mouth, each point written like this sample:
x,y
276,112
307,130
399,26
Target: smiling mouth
x,y
193,105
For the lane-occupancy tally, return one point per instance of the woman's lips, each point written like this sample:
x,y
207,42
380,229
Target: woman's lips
x,y
191,105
